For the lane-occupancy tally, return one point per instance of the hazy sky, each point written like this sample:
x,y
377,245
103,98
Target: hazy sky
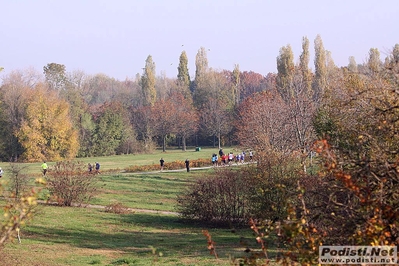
x,y
114,37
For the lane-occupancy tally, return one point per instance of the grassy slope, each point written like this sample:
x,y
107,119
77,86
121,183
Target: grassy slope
x,y
72,236
77,236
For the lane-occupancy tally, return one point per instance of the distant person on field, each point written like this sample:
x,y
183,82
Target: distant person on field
x,y
90,167
221,152
251,155
97,167
214,159
224,159
230,158
162,163
44,167
242,157
187,162
1,172
238,158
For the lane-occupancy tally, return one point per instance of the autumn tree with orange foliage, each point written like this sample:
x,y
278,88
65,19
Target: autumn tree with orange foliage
x,y
364,158
46,132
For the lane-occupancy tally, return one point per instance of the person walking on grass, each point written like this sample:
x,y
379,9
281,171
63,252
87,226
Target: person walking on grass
x,y
187,162
44,168
1,172
162,163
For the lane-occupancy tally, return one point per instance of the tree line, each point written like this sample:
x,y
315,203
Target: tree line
x,y
348,117
60,114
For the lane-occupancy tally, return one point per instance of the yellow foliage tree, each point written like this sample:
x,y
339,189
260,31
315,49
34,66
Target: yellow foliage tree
x,y
46,132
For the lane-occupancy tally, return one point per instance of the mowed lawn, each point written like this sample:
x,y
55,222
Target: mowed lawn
x,y
91,236
144,191
86,236
121,162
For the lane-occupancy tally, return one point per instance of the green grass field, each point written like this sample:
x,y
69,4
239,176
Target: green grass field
x,y
91,236
120,162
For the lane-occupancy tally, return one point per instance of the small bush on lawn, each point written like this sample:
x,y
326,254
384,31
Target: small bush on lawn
x,y
222,198
70,182
233,196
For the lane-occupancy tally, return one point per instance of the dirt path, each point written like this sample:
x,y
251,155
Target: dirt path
x,y
103,207
191,169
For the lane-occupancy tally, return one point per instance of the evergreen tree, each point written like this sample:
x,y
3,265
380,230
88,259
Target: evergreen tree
x,y
108,133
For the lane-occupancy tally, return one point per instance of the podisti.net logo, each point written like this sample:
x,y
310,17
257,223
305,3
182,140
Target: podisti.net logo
x,y
358,254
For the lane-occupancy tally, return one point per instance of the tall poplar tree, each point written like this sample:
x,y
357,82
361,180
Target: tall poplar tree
x,y
285,71
395,54
320,78
236,84
183,75
352,65
201,67
148,83
374,62
304,59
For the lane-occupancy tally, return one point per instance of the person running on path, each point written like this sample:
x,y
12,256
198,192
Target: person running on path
x,y
187,162
97,167
214,159
44,167
162,161
251,155
230,158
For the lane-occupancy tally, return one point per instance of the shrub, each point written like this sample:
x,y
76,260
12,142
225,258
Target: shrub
x,y
18,181
70,182
17,211
221,198
275,178
233,196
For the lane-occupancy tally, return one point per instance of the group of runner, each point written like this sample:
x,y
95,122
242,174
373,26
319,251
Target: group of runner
x,y
227,159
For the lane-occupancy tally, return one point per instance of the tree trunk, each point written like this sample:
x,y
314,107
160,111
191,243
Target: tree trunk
x,y
184,142
164,143
219,140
